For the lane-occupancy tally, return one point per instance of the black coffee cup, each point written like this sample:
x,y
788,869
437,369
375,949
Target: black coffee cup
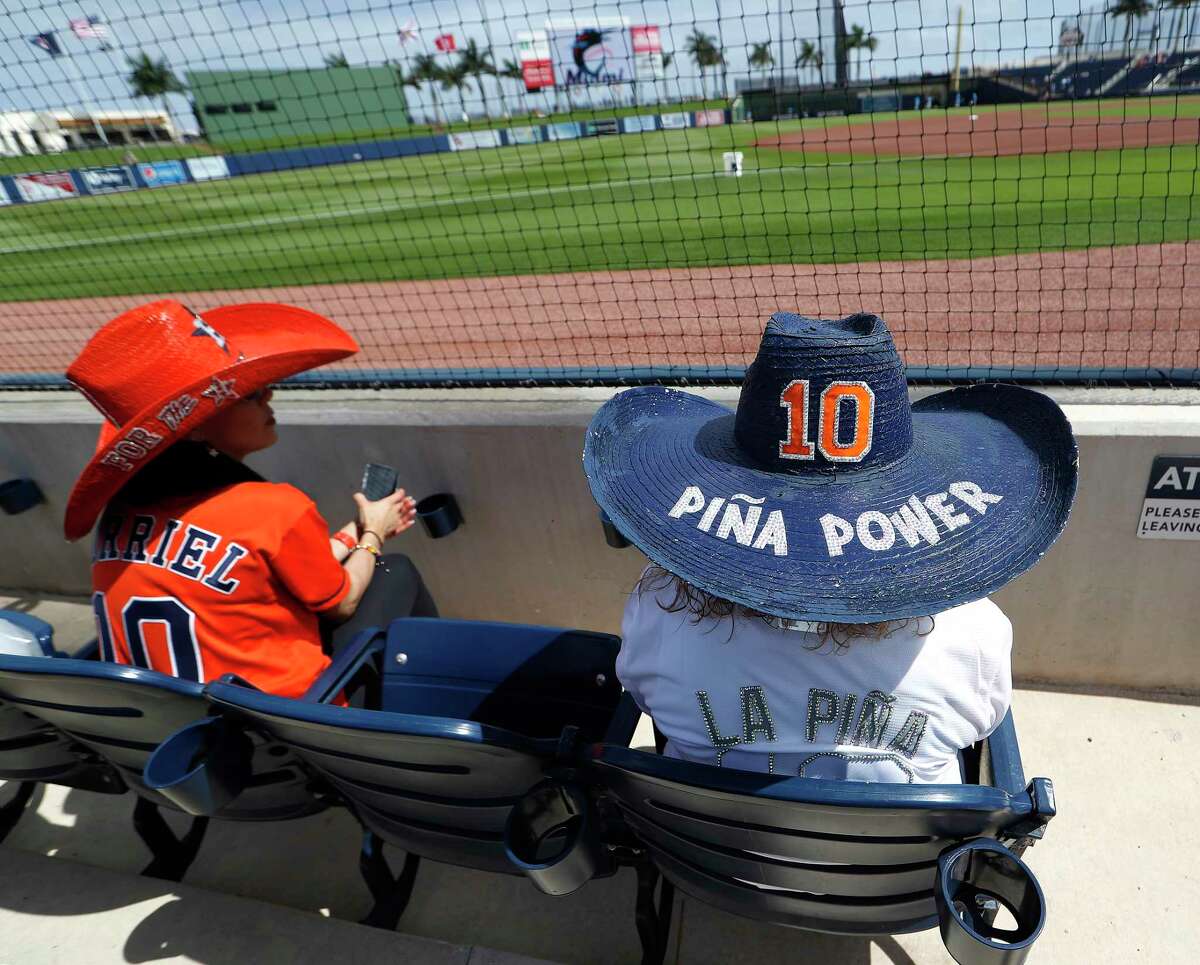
x,y
439,514
612,535
18,495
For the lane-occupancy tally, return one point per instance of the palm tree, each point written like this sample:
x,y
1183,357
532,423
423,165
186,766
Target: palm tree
x,y
667,58
475,62
429,71
870,42
1131,10
455,78
336,59
153,78
511,70
704,51
811,56
859,39
407,79
760,56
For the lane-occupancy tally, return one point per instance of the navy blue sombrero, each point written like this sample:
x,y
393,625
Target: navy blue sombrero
x,y
827,496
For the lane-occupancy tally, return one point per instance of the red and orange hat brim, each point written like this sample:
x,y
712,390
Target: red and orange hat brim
x,y
273,342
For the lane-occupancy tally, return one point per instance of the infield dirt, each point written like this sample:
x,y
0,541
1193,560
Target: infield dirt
x,y
1130,307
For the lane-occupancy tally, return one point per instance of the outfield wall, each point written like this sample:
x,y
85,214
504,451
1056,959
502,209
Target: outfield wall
x,y
1103,609
63,185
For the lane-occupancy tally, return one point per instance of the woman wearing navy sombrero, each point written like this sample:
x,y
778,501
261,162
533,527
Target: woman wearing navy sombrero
x,y
821,559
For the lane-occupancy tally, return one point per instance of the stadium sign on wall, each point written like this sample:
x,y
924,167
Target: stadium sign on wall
x,y
474,140
107,179
208,168
647,52
159,173
45,187
537,67
524,135
592,56
1171,509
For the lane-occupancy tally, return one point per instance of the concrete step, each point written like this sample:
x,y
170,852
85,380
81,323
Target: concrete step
x,y
59,912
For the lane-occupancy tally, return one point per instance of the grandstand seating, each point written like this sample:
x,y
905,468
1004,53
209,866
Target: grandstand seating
x,y
1030,76
505,748
92,726
471,718
1085,78
833,856
1145,70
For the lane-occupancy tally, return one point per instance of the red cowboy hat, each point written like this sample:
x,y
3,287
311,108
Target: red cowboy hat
x,y
160,370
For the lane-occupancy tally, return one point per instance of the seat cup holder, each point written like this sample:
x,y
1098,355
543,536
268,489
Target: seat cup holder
x,y
551,836
201,767
973,881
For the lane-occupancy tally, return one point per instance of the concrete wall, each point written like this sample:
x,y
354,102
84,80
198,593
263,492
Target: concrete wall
x,y
1103,609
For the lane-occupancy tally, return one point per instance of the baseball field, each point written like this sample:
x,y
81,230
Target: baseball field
x,y
1053,235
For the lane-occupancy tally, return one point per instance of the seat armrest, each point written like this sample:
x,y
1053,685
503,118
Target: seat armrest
x,y
1001,759
335,678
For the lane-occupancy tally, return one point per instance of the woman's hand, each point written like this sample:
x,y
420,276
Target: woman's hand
x,y
386,517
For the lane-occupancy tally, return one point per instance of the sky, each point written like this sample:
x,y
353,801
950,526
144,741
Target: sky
x,y
913,35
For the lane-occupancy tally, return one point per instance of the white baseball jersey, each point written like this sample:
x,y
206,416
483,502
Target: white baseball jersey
x,y
757,697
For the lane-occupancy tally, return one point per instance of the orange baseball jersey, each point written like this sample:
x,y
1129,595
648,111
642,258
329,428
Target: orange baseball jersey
x,y
228,582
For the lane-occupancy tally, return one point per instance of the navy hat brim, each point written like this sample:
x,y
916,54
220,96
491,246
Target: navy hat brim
x,y
647,445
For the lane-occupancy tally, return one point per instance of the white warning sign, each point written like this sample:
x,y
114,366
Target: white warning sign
x,y
1171,509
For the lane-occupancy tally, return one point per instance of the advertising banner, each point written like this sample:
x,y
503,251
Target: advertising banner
x,y
537,74
640,122
607,125
537,66
473,140
4,198
675,121
157,174
524,135
207,168
710,118
566,131
647,53
45,187
107,179
592,56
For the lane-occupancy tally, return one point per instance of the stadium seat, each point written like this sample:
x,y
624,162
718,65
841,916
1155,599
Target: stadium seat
x,y
831,856
92,726
470,718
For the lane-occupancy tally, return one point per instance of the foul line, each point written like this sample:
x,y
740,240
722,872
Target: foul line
x,y
334,214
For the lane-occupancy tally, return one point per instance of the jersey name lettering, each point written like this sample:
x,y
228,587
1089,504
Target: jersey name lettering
x,y
198,554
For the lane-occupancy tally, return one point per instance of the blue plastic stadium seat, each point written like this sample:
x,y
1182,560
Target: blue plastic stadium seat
x,y
93,726
843,857
472,718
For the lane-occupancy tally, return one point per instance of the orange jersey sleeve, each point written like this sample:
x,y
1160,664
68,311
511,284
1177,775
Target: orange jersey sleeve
x,y
305,564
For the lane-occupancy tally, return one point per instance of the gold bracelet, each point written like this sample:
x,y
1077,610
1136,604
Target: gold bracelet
x,y
370,549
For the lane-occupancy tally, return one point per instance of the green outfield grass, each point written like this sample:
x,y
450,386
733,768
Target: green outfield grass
x,y
640,201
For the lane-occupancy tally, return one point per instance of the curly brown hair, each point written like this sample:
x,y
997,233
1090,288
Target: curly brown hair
x,y
701,605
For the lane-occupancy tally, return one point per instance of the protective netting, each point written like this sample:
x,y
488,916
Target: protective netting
x,y
535,192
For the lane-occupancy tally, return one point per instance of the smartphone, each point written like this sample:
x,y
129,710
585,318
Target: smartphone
x,y
378,481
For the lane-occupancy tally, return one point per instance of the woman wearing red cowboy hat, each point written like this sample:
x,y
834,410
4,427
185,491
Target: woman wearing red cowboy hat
x,y
200,566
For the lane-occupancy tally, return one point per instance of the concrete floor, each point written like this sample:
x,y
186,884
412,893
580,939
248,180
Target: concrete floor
x,y
1119,868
